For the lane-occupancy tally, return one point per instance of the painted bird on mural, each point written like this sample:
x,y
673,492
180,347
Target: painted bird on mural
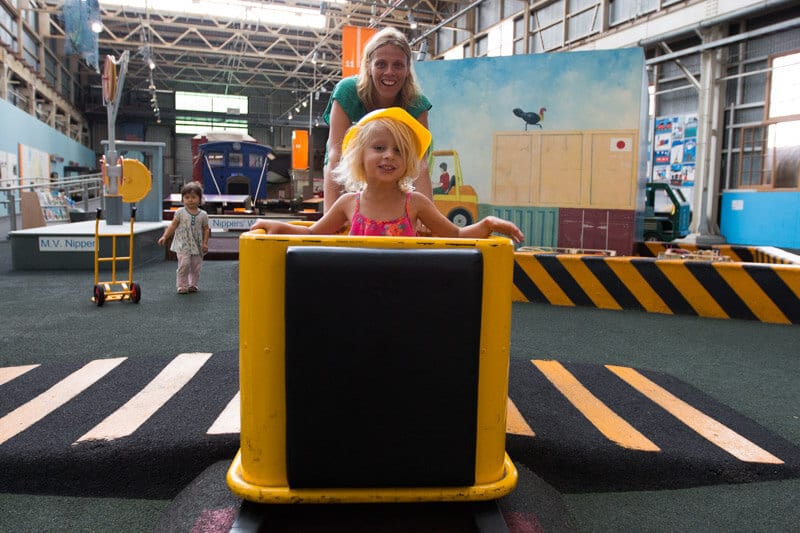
x,y
530,117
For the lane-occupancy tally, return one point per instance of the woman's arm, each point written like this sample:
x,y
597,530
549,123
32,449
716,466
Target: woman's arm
x,y
339,123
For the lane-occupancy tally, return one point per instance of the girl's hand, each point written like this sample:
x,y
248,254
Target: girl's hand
x,y
162,240
264,224
276,227
498,225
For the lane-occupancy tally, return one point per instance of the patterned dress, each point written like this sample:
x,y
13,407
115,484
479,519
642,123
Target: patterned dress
x,y
188,237
399,227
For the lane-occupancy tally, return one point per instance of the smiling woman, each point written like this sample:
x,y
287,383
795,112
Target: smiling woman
x,y
386,79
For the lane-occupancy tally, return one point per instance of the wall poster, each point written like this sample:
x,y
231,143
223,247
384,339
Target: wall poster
x,y
8,178
34,166
675,150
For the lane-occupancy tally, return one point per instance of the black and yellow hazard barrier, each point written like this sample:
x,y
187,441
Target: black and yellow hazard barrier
x,y
373,369
751,291
744,254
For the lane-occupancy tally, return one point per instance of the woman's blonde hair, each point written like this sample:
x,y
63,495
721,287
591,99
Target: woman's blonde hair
x,y
351,174
366,87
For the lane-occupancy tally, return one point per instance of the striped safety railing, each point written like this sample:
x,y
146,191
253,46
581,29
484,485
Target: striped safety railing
x,y
766,292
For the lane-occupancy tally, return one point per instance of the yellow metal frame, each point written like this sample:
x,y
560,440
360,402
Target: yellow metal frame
x,y
125,290
259,472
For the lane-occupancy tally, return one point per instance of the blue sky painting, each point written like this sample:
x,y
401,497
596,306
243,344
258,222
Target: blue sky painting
x,y
473,98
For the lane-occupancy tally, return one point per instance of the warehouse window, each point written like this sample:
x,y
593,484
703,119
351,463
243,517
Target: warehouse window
x,y
211,103
769,154
784,87
8,29
197,126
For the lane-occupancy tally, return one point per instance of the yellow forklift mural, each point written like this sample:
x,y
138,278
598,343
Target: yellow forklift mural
x,y
456,201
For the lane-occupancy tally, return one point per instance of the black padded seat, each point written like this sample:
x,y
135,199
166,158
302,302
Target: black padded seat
x,y
382,345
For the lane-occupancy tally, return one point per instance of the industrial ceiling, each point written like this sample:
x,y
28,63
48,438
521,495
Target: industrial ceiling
x,y
215,54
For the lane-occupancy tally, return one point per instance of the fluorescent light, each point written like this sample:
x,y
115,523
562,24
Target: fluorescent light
x,y
97,26
239,10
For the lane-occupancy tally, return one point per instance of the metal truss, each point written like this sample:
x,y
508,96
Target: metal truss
x,y
215,55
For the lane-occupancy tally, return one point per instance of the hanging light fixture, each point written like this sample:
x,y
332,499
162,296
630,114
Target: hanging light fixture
x,y
423,51
412,23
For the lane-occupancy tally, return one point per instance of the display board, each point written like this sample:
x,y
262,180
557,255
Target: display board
x,y
675,150
34,166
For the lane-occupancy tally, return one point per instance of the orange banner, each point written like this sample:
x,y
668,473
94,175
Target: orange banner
x,y
354,39
299,149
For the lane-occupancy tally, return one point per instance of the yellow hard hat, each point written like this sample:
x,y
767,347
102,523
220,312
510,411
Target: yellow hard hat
x,y
397,113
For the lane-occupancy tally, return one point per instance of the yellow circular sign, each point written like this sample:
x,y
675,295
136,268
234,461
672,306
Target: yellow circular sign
x,y
136,181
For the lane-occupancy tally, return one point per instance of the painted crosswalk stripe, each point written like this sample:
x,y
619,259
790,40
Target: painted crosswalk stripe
x,y
228,421
717,433
609,423
31,412
13,372
127,419
515,422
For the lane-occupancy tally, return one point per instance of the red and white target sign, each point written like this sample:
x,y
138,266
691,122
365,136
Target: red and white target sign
x,y
621,144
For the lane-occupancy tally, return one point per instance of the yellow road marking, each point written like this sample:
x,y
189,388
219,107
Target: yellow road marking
x,y
13,372
229,420
31,412
127,419
707,427
604,419
515,422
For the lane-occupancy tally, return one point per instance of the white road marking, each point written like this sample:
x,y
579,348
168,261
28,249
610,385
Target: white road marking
x,y
31,412
228,421
13,372
127,419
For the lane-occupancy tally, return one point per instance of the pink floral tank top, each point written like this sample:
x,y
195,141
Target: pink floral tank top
x,y
399,227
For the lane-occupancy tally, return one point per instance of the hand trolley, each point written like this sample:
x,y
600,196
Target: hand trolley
x,y
114,289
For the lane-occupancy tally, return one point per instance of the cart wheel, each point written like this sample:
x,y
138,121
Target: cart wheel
x,y
136,293
99,295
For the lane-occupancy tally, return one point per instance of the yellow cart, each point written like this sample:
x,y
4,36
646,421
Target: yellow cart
x,y
398,415
114,289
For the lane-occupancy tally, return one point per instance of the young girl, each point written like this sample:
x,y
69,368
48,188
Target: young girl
x,y
380,157
190,227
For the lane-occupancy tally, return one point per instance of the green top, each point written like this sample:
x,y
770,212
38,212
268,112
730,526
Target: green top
x,y
346,94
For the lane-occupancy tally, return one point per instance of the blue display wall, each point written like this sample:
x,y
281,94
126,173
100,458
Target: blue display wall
x,y
36,137
761,218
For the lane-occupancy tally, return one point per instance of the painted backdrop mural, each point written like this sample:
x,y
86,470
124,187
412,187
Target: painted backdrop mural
x,y
504,116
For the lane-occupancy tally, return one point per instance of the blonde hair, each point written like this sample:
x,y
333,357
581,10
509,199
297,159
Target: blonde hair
x,y
365,86
351,174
